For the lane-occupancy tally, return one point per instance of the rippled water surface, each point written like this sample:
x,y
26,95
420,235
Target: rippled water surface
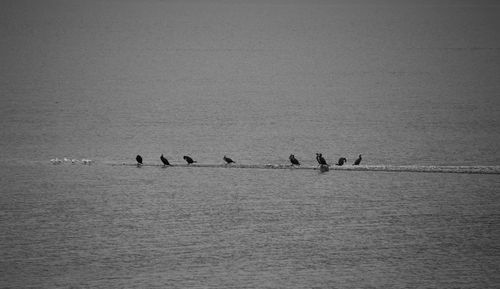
x,y
402,83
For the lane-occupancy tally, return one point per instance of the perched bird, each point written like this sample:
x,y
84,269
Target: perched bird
x,y
228,160
341,161
321,160
294,161
138,158
357,161
189,160
164,160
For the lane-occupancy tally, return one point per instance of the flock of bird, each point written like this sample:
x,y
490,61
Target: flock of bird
x,y
58,161
319,158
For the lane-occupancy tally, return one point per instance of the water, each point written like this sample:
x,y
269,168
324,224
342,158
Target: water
x,y
201,227
405,84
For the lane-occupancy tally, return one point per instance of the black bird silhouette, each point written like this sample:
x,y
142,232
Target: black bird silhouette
x,y
341,161
357,161
228,160
164,160
294,161
188,159
138,158
321,160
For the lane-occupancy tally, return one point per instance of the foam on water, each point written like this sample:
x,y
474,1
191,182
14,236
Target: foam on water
x,y
58,161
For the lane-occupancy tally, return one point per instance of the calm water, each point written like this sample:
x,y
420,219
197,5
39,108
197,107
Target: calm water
x,y
400,82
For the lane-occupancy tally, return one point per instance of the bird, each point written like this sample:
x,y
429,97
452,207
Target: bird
x,y
189,160
164,160
321,160
228,160
357,161
294,161
138,158
341,161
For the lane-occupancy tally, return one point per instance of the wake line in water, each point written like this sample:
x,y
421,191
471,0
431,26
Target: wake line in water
x,y
380,168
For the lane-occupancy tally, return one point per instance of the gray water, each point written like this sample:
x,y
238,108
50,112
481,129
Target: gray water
x,y
401,82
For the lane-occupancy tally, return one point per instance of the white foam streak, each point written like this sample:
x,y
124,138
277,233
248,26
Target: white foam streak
x,y
381,168
58,161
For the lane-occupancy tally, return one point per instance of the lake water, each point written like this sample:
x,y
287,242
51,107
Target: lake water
x,y
402,83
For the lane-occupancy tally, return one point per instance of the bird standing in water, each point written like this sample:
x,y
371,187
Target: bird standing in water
x,y
323,166
138,158
357,161
294,161
188,159
164,160
321,160
228,160
341,161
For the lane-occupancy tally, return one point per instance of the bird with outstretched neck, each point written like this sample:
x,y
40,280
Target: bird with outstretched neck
x,y
164,160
